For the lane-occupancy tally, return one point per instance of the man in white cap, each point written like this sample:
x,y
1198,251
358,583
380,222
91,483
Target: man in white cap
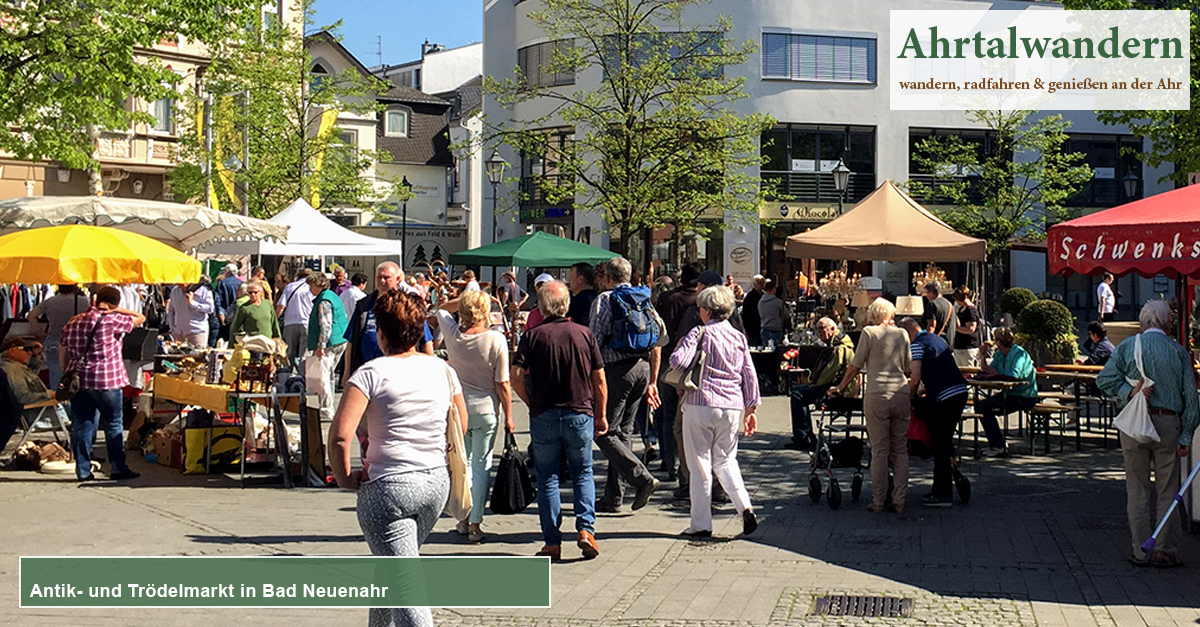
x,y
535,316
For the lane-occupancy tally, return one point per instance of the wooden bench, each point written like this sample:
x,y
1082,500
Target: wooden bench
x,y
1040,418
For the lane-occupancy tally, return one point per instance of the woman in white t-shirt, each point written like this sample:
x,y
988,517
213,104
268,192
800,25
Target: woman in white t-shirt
x,y
480,357
403,399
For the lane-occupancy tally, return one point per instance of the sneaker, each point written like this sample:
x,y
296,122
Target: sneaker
x,y
696,533
86,478
749,521
995,452
124,474
462,528
930,500
643,494
587,544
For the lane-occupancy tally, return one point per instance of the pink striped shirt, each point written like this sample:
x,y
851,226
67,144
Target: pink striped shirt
x,y
729,380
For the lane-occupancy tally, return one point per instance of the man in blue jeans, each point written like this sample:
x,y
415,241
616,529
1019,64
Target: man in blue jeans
x,y
564,359
91,342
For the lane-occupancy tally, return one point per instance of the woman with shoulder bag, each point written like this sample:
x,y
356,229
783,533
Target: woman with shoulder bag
x,y
404,399
713,414
480,357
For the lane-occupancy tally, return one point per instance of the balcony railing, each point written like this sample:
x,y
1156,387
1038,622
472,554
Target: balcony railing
x,y
931,181
815,186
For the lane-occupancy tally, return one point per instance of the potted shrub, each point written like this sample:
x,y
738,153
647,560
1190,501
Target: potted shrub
x,y
1014,300
1046,329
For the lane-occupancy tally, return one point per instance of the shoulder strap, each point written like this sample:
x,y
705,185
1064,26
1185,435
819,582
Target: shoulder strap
x,y
1137,354
91,338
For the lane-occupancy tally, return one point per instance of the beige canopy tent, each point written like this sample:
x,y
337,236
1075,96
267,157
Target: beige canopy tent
x,y
888,225
181,226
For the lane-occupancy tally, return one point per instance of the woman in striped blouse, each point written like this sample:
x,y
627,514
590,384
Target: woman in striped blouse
x,y
713,414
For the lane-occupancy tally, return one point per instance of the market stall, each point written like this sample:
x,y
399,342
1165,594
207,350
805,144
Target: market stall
x,y
1159,235
536,250
181,226
311,234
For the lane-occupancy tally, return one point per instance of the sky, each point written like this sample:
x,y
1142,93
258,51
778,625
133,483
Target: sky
x,y
403,26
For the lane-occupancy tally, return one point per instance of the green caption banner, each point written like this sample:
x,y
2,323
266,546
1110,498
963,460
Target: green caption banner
x,y
285,581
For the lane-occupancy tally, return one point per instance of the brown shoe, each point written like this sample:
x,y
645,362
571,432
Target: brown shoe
x,y
552,552
587,544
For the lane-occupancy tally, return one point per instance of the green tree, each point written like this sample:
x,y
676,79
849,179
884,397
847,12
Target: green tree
x,y
68,69
658,140
1172,134
266,93
1014,187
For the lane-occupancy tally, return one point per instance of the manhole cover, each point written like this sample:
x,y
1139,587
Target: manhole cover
x,y
843,605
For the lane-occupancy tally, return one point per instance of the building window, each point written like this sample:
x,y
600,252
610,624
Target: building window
x,y
826,58
535,61
347,146
984,142
686,51
541,177
163,111
1109,166
799,160
395,123
318,77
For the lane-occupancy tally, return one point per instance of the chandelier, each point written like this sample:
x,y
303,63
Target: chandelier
x,y
931,273
839,285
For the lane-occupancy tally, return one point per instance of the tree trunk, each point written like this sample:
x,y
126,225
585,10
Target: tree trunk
x,y
95,180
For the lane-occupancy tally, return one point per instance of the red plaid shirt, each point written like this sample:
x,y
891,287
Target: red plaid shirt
x,y
101,368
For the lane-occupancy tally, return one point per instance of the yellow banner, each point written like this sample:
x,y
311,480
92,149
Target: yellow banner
x,y
328,120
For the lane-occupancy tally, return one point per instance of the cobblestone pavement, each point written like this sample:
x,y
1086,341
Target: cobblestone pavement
x,y
1042,543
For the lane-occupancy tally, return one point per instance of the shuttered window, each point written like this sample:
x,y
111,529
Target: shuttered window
x,y
535,61
818,58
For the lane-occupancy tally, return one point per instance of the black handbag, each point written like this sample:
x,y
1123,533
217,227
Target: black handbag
x,y
513,490
68,385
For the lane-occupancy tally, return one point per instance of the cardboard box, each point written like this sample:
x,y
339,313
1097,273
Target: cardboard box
x,y
168,450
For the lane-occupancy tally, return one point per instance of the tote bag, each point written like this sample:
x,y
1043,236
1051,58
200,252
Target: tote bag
x,y
688,378
513,491
458,506
1134,420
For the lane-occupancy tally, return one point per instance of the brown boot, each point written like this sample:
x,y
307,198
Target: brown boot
x,y
587,543
552,552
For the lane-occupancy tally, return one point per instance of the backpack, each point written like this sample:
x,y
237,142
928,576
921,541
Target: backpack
x,y
633,327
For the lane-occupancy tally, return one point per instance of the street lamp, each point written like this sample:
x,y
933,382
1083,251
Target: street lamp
x,y
404,220
1130,180
495,166
841,180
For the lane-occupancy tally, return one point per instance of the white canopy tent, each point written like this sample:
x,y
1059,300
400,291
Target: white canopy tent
x,y
311,234
178,225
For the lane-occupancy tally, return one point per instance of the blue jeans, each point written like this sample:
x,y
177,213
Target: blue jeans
x,y
768,336
555,433
479,441
85,407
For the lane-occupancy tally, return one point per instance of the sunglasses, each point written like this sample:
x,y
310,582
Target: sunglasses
x,y
30,349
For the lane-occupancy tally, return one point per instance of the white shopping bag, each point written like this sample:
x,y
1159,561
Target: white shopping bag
x,y
1134,420
314,381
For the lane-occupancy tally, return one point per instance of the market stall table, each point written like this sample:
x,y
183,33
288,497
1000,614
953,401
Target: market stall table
x,y
222,398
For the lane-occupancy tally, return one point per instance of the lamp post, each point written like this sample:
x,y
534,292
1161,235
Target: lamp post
x,y
495,166
404,220
1130,180
841,180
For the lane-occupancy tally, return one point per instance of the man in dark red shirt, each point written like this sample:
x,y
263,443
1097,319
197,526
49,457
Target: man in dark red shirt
x,y
565,361
91,342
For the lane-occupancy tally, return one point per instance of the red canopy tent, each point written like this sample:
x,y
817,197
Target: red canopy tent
x,y
1151,236
1155,235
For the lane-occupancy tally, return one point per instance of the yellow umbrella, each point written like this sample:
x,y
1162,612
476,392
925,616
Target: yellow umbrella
x,y
79,253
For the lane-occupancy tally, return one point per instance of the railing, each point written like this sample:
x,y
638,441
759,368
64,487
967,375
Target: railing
x,y
815,186
973,194
532,193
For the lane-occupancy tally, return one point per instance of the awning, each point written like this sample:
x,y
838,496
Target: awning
x,y
311,234
1155,235
537,250
178,225
887,225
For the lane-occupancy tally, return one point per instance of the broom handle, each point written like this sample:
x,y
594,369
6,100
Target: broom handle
x,y
1148,545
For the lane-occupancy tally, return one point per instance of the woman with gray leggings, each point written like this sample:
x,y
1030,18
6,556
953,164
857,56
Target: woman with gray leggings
x,y
402,400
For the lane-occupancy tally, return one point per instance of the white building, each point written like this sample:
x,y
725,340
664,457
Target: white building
x,y
822,117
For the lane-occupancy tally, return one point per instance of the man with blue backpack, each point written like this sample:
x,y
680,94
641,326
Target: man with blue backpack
x,y
631,335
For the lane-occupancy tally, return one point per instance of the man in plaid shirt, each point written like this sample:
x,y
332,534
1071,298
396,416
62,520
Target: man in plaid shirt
x,y
101,377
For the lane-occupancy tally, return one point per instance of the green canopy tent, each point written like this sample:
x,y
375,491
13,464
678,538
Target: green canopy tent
x,y
537,250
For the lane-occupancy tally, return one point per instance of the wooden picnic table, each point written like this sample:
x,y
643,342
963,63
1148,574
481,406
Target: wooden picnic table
x,y
1073,368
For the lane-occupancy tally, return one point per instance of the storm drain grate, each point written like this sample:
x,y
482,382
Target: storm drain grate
x,y
843,605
